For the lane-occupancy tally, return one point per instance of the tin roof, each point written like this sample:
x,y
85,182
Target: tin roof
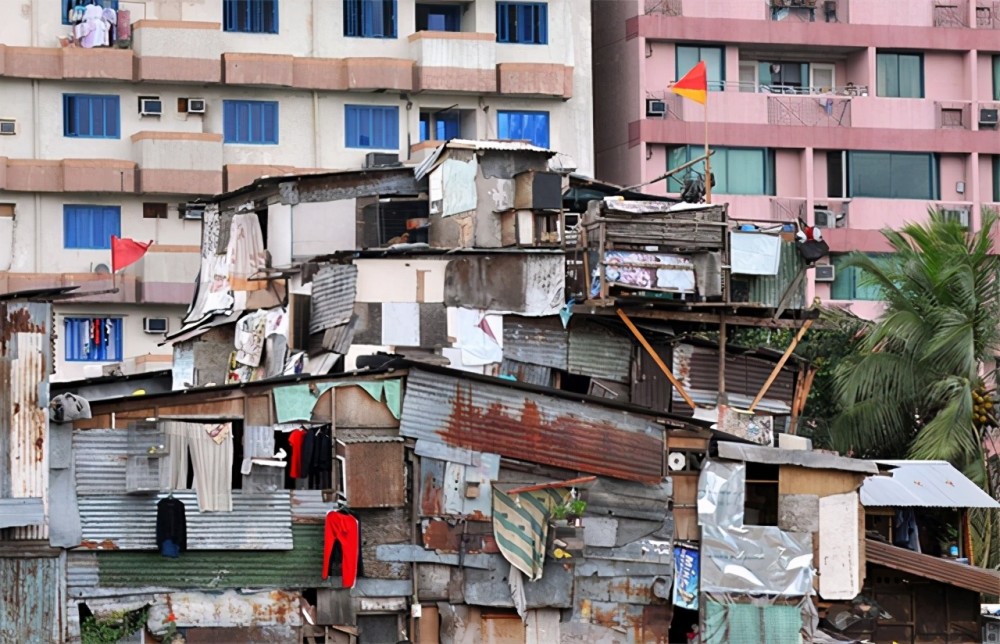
x,y
799,457
945,571
925,484
428,164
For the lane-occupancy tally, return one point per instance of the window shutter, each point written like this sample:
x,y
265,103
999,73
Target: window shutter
x,y
146,446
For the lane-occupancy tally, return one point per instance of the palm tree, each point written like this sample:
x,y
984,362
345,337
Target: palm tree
x,y
909,389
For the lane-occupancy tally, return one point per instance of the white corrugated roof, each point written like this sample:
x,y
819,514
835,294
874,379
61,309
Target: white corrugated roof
x,y
432,159
926,484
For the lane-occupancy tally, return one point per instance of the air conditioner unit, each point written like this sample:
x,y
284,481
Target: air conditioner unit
x,y
381,160
100,269
155,325
988,116
824,218
191,210
150,106
196,106
961,215
825,272
8,126
655,107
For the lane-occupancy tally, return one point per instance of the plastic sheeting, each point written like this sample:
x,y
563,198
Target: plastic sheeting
x,y
755,253
756,559
721,493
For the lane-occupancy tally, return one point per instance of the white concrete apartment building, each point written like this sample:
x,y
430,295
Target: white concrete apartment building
x,y
204,96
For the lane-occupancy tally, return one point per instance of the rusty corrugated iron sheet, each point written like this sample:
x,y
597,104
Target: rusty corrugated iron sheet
x,y
532,374
539,341
599,352
650,388
100,457
25,363
333,292
531,426
697,367
308,506
30,611
973,578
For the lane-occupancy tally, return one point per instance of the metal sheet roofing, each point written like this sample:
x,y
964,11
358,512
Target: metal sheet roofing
x,y
935,568
429,163
801,458
332,301
924,484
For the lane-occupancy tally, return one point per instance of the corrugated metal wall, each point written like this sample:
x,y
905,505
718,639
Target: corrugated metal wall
x,y
541,341
25,362
767,290
535,427
30,590
333,292
650,387
599,352
100,457
697,367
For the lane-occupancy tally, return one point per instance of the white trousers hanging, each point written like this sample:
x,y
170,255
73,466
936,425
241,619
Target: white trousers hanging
x,y
213,467
175,475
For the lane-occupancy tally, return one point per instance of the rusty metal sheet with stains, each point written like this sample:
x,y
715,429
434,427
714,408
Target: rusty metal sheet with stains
x,y
30,609
25,363
697,368
458,489
229,609
531,426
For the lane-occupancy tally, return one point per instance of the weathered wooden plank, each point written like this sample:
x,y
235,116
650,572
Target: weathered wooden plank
x,y
411,553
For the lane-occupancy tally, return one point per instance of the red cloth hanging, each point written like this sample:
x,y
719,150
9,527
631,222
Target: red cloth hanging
x,y
295,440
343,528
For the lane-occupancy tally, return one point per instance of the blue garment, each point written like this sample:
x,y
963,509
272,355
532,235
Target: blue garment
x,y
170,549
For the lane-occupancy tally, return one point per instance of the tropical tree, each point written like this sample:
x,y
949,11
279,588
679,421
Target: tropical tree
x,y
915,386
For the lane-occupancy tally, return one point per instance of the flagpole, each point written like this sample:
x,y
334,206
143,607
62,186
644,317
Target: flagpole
x,y
708,158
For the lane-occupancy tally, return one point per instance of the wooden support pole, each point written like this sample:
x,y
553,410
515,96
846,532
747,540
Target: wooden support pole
x,y
723,354
656,357
781,363
554,484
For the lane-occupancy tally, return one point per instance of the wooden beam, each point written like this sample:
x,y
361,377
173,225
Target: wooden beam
x,y
554,484
781,363
656,357
704,317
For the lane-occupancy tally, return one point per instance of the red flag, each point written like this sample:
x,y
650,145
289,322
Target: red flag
x,y
694,85
126,251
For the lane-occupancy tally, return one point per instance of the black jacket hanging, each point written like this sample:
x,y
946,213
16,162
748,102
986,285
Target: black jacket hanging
x,y
171,523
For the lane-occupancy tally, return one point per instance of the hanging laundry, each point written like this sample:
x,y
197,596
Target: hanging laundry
x,y
295,440
171,527
213,467
342,529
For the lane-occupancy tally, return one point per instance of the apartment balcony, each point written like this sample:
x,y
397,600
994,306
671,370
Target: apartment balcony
x,y
71,63
535,79
67,175
454,61
106,289
178,162
166,274
177,51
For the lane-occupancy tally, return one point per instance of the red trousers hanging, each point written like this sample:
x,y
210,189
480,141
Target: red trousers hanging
x,y
343,528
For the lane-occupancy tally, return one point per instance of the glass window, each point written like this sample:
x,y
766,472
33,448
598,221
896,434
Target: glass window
x,y
689,56
370,18
370,126
439,17
738,171
91,116
92,339
900,75
784,77
440,126
90,227
996,178
251,16
524,126
525,23
892,175
250,122
850,283
69,7
996,78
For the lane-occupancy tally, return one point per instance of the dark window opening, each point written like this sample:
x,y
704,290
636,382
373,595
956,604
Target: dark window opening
x,y
439,17
154,211
761,504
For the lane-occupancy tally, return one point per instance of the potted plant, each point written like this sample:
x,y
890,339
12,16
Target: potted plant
x,y
571,512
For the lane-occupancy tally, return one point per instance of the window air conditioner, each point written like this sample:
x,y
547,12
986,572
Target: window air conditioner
x,y
196,106
961,215
155,325
381,160
655,107
825,272
825,218
8,126
150,106
191,210
988,116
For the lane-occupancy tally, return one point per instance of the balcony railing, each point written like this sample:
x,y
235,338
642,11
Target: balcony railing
x,y
811,111
951,13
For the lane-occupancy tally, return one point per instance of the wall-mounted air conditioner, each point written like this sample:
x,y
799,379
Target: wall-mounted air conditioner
x,y
655,107
961,215
826,218
381,160
191,210
150,106
825,272
988,116
8,126
196,106
155,325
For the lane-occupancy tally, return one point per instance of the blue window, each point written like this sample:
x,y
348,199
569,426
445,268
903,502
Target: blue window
x,y
68,7
91,116
251,16
370,18
526,23
372,127
90,227
93,339
524,126
440,126
439,17
738,171
852,283
252,122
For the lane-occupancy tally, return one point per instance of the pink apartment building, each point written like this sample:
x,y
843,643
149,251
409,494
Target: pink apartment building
x,y
853,114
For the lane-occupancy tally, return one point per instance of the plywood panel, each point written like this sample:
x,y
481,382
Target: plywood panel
x,y
805,480
375,475
355,409
839,547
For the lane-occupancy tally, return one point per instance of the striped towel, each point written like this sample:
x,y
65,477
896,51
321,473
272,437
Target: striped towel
x,y
520,525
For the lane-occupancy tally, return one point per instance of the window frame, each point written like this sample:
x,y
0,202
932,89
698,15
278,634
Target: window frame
x,y
508,113
768,180
713,85
934,178
354,18
853,274
538,21
880,82
254,18
69,4
73,111
68,337
452,13
439,123
369,112
70,211
230,109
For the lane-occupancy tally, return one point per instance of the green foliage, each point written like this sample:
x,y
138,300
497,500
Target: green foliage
x,y
572,508
113,628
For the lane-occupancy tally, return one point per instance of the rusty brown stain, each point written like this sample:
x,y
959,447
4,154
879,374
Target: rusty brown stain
x,y
107,544
17,321
431,496
567,441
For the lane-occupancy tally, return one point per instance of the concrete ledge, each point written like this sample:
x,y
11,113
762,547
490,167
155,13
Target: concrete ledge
x,y
258,69
177,70
148,135
454,79
534,79
319,73
379,73
170,181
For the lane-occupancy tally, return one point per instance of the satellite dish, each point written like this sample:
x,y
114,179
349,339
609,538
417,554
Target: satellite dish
x,y
676,461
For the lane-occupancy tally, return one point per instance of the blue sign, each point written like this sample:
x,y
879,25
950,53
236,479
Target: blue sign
x,y
685,578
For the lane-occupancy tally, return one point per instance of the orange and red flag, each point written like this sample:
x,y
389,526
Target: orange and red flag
x,y
694,85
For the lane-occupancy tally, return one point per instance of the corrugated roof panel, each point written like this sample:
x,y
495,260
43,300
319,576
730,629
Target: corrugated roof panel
x,y
81,571
333,292
100,457
540,341
599,352
768,290
942,570
533,374
531,426
128,522
299,567
697,368
308,506
924,484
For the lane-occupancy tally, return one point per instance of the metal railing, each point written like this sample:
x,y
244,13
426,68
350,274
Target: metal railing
x,y
809,111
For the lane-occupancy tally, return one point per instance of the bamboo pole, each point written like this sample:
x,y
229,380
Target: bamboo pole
x,y
781,363
656,357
